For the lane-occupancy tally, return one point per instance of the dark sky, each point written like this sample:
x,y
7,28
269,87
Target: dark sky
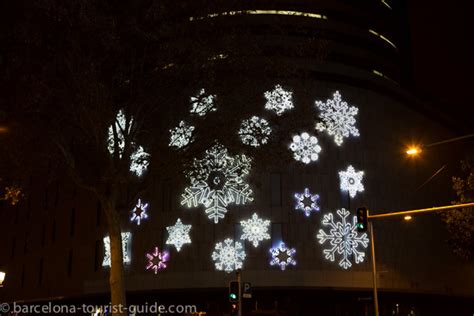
x,y
442,39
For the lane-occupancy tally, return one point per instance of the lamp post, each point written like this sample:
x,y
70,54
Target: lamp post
x,y
415,150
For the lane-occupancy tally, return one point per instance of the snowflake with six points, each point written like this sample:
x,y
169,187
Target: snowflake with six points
x,y
203,103
181,135
337,118
139,212
305,148
254,131
157,260
343,239
228,256
178,235
282,256
351,181
307,202
279,100
255,229
218,180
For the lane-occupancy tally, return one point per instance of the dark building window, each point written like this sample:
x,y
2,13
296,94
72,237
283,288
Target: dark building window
x,y
276,234
25,246
45,201
12,255
73,221
28,210
69,264
40,272
98,214
96,255
43,235
23,276
275,187
56,198
53,232
17,212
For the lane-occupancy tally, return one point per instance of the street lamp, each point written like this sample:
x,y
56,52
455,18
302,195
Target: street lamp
x,y
2,278
416,149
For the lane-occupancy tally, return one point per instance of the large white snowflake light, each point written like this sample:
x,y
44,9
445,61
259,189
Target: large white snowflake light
x,y
279,100
181,135
126,243
254,131
305,148
139,212
351,181
337,118
178,235
282,256
343,238
228,255
307,202
255,229
203,103
218,180
157,260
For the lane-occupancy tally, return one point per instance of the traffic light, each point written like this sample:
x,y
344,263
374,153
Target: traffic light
x,y
362,220
233,291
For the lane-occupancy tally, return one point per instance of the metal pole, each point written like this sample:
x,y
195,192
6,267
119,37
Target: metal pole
x,y
239,312
374,269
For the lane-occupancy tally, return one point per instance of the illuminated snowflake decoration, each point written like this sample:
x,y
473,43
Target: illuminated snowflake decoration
x,y
282,256
255,229
178,235
337,118
343,239
203,103
139,159
255,131
279,100
181,135
217,181
228,255
126,243
351,181
307,202
157,260
139,212
305,148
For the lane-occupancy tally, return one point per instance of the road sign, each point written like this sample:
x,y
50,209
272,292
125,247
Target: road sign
x,y
246,290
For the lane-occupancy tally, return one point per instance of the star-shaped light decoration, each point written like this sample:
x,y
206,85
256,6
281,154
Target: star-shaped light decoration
x,y
228,256
351,180
255,229
157,260
282,256
307,202
279,100
139,212
178,235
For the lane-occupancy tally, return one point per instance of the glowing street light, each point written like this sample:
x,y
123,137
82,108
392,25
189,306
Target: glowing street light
x,y
415,150
408,218
2,278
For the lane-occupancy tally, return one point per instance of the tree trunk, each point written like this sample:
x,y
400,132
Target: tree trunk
x,y
116,279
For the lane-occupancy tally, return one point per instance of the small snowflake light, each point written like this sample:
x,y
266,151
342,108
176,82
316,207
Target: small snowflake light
x,y
254,131
279,100
307,202
228,255
157,260
305,148
218,180
282,256
343,238
139,212
351,181
255,229
178,235
203,103
181,135
337,118
126,243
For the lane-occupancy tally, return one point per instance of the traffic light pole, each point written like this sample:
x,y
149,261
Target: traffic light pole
x,y
239,312
393,214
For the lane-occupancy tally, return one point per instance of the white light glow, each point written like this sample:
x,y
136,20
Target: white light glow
x,y
282,256
383,38
305,148
181,135
255,229
351,181
262,12
279,100
218,180
337,118
126,244
139,212
178,235
307,202
203,103
228,256
255,131
343,238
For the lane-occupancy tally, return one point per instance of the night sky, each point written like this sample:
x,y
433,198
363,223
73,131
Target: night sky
x,y
443,51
